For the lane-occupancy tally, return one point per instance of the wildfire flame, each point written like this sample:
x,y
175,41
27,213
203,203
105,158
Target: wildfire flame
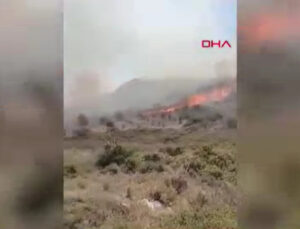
x,y
215,95
274,27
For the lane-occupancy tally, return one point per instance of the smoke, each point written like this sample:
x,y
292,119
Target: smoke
x,y
148,40
85,89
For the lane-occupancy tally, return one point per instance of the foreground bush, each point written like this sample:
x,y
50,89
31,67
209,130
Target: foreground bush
x,y
174,151
208,162
128,161
70,171
218,218
113,155
224,218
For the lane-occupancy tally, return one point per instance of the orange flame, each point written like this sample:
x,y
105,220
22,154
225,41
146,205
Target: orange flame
x,y
274,27
215,95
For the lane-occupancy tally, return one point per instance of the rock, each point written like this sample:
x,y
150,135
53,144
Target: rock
x,y
152,204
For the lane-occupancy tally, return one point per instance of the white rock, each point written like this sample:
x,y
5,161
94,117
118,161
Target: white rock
x,y
153,205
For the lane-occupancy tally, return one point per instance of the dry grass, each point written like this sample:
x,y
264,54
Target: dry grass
x,y
115,194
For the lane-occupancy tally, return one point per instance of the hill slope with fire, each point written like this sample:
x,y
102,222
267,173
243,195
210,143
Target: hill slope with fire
x,y
207,105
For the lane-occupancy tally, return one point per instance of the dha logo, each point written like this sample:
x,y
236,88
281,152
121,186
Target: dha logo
x,y
212,44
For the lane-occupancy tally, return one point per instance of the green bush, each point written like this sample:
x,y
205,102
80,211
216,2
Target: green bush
x,y
174,151
207,162
131,164
128,161
70,171
179,184
219,161
213,171
152,157
150,166
208,150
116,154
165,196
195,167
224,218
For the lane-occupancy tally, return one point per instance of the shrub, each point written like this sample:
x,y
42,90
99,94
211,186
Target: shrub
x,y
209,163
152,157
70,171
187,221
150,166
195,167
207,150
103,120
205,153
179,184
110,124
222,218
213,171
116,154
174,151
117,158
165,196
219,161
131,164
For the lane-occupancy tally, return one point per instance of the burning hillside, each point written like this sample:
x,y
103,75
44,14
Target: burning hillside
x,y
273,29
216,94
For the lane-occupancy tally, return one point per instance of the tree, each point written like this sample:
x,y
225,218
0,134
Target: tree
x,y
110,125
180,120
103,120
82,120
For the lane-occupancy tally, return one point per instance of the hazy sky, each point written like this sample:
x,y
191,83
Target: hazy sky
x,y
118,40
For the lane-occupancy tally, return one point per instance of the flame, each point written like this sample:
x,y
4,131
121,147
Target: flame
x,y
273,27
215,95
